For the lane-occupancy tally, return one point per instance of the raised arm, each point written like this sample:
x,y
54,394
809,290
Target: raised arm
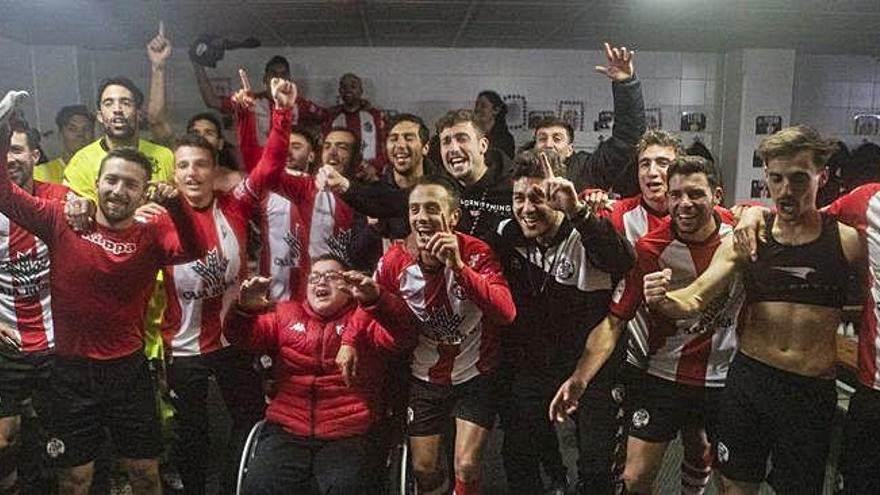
x,y
245,326
392,322
376,199
158,51
689,301
206,89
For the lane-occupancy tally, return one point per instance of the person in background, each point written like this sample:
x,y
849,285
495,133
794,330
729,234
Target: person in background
x,y
76,128
491,113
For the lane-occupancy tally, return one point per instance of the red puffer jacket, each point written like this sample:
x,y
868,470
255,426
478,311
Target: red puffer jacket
x,y
312,399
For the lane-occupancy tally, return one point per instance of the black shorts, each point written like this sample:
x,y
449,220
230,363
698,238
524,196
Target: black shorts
x,y
87,396
860,457
431,404
658,409
21,376
767,412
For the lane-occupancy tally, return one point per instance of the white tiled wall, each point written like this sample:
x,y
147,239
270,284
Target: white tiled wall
x,y
425,81
830,89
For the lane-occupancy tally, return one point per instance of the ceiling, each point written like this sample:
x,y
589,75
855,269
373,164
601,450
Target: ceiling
x,y
817,26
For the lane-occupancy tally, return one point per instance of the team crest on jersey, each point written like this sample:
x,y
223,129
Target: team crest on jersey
x,y
473,259
340,328
266,361
410,415
298,327
25,269
641,418
458,291
368,127
723,452
442,325
564,270
55,447
618,393
212,271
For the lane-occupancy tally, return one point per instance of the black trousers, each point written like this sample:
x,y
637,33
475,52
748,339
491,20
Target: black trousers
x,y
860,458
242,393
530,438
284,464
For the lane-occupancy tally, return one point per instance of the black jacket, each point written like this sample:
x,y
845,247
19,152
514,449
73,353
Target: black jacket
x,y
561,291
613,165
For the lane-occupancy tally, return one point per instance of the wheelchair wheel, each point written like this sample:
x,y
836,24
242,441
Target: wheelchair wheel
x,y
250,448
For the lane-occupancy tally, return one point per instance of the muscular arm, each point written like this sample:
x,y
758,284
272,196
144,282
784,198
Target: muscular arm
x,y
271,165
157,116
598,348
853,245
393,325
490,293
182,241
687,302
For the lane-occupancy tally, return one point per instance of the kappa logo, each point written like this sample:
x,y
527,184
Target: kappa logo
x,y
801,272
110,245
298,327
641,418
723,452
55,448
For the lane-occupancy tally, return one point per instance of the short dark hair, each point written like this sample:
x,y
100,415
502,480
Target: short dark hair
x,y
459,116
553,121
497,102
440,181
659,137
130,155
210,117
528,163
277,60
332,257
31,135
792,140
424,135
307,133
195,140
68,112
357,154
692,164
125,83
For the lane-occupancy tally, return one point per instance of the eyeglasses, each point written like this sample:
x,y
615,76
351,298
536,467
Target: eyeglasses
x,y
329,276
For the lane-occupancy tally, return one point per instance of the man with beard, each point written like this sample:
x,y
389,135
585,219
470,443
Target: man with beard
x,y
26,331
780,398
687,359
367,122
453,284
100,285
119,103
76,129
200,294
406,149
561,262
609,167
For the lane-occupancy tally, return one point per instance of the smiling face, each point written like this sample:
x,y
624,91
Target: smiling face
x,y
530,208
338,150
77,132
350,90
554,138
463,150
793,183
405,148
653,163
429,204
121,187
194,174
20,160
691,205
324,294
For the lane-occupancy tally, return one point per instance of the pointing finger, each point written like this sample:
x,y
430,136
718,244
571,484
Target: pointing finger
x,y
608,51
548,170
162,28
245,82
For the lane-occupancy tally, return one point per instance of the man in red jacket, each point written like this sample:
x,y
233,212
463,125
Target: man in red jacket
x,y
318,427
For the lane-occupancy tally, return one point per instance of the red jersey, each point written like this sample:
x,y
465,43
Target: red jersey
x,y
101,281
460,315
24,278
200,292
312,398
694,351
861,209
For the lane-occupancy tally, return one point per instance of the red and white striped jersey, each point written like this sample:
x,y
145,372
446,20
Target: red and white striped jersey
x,y
633,218
327,220
24,278
369,125
861,209
694,351
283,258
460,316
200,292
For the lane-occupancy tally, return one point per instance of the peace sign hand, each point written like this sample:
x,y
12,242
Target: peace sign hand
x,y
620,64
